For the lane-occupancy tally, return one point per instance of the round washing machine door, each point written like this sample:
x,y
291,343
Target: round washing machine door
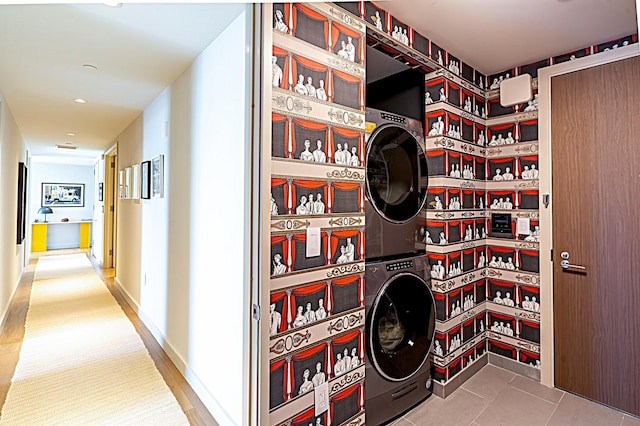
x,y
397,176
401,326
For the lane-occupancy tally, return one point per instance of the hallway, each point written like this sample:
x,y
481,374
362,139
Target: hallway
x,y
86,315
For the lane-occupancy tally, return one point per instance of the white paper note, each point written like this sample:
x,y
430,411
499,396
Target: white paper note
x,y
523,226
313,242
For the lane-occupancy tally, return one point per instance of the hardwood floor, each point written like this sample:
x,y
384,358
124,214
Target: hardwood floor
x,y
12,334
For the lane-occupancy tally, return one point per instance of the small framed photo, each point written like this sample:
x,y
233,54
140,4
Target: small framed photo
x,y
135,182
145,180
101,191
127,183
157,177
121,184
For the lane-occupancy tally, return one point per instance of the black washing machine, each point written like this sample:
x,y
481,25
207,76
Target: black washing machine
x,y
400,327
396,185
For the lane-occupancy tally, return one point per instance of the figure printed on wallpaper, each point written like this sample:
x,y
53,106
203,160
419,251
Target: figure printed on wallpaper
x,y
318,154
440,124
484,233
346,359
434,130
318,207
495,84
526,304
468,234
321,313
509,140
300,87
572,58
494,205
350,251
501,203
453,311
508,330
436,203
343,50
338,156
481,260
355,359
319,377
354,161
501,263
302,207
501,140
453,171
534,236
442,95
482,113
481,140
509,265
276,72
274,206
306,385
438,271
274,320
320,93
310,314
481,326
440,59
493,141
507,205
343,256
507,174
508,301
443,240
481,83
310,204
496,327
351,49
535,305
498,175
338,367
377,20
493,263
476,111
467,104
300,319
427,238
427,98
280,25
530,106
311,89
306,155
537,363
394,33
526,173
534,172
405,37
278,267
477,234
346,153
458,309
437,349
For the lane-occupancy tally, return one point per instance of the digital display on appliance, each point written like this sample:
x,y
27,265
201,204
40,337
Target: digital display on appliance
x,y
501,224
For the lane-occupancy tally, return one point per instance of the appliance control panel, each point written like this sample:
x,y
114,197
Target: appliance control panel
x,y
397,266
392,117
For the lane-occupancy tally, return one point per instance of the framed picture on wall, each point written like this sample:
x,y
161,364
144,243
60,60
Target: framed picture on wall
x,y
121,184
145,174
62,194
22,202
157,177
127,182
101,191
135,182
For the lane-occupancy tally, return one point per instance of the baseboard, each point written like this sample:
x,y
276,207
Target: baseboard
x,y
514,366
444,390
217,411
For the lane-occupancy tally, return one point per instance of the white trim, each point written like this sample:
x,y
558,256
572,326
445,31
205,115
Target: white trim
x,y
217,411
546,237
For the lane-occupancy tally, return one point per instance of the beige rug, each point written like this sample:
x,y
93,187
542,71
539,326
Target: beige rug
x,y
82,362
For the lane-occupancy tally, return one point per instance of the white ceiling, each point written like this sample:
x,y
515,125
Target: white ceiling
x,y
139,49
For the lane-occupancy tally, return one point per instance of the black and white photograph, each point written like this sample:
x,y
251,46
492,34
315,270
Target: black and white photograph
x,y
62,194
145,174
157,177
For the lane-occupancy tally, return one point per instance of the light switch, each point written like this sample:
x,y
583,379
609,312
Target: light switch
x,y
313,242
523,226
321,398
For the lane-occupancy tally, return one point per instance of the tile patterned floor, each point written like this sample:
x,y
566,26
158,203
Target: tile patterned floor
x,y
496,397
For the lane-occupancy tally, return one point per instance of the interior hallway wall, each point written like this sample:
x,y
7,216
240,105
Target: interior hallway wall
x,y
182,258
12,151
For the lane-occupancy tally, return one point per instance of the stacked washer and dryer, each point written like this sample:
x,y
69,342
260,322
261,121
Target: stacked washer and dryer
x,y
400,307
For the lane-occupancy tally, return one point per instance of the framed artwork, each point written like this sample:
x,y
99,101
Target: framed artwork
x,y
121,184
135,182
145,181
62,194
101,191
22,202
127,183
157,177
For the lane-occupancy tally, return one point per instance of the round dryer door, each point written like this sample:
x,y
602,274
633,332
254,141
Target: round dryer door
x,y
397,176
401,326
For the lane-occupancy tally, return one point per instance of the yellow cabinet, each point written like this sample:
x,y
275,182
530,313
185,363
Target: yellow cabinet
x,y
38,237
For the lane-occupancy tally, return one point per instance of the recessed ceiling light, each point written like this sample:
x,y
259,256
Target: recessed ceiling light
x,y
68,143
71,134
90,66
112,4
80,101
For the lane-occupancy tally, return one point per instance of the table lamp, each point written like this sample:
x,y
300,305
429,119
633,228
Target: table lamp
x,y
45,211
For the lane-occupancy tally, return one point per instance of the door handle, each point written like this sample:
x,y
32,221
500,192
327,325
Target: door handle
x,y
566,265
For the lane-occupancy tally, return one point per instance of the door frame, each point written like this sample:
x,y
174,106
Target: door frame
x,y
547,349
110,197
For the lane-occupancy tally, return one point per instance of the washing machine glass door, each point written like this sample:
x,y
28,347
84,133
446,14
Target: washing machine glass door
x,y
396,173
401,326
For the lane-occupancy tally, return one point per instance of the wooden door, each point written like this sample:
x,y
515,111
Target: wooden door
x,y
596,219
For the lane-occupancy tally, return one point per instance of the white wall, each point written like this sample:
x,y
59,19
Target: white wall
x,y
183,259
60,173
12,151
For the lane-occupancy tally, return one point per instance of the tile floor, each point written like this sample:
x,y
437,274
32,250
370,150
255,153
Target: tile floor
x,y
495,396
